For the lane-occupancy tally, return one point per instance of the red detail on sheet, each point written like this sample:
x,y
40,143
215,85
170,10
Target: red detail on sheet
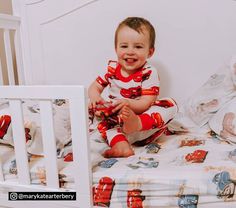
x,y
191,142
68,157
198,156
135,199
118,138
152,91
168,132
27,134
131,93
164,103
5,121
102,193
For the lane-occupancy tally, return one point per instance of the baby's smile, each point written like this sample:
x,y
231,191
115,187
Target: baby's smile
x,y
130,60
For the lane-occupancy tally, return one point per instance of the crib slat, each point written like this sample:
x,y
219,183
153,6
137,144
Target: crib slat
x,y
81,154
1,74
8,51
19,143
9,21
49,144
19,60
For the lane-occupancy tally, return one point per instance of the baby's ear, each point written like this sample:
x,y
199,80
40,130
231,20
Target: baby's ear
x,y
151,52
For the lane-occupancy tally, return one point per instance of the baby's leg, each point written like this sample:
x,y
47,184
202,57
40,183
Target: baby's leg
x,y
157,116
131,121
119,144
120,149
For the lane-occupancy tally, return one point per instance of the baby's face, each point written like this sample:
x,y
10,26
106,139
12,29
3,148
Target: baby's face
x,y
132,49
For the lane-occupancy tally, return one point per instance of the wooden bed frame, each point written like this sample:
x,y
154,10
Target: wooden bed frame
x,y
76,95
63,41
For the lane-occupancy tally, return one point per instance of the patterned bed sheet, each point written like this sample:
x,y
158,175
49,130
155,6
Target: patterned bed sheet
x,y
179,170
183,170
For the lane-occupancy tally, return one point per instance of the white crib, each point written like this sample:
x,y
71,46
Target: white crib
x,y
43,28
76,96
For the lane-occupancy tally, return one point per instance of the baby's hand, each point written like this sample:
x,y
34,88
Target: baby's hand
x,y
104,109
120,104
93,103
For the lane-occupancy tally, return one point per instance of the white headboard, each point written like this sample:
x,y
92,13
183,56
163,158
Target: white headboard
x,y
70,41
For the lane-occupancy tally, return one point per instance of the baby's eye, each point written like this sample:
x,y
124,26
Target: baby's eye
x,y
138,47
123,46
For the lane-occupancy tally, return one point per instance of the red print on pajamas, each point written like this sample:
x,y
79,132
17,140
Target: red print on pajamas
x,y
144,82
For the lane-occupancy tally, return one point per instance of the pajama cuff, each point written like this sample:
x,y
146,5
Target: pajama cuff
x,y
147,121
118,138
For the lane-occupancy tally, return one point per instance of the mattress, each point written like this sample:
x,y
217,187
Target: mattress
x,y
183,170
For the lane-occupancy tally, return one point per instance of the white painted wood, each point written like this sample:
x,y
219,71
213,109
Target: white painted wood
x,y
49,144
19,58
81,158
9,61
9,21
20,10
19,141
1,73
78,113
41,92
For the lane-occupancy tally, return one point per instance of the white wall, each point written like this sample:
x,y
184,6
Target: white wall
x,y
70,41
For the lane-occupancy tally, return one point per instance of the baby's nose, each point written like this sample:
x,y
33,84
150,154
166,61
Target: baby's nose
x,y
130,50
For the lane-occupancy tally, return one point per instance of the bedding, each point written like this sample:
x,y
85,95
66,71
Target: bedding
x,y
209,98
176,170
31,114
223,123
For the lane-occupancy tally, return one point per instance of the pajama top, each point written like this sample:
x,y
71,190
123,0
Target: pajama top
x,y
143,82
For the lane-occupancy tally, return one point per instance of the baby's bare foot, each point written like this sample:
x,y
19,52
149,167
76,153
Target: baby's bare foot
x,y
131,121
120,149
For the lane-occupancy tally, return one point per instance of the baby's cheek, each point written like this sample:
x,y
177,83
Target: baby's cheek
x,y
121,54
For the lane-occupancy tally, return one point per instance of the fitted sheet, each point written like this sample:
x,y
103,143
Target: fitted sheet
x,y
159,174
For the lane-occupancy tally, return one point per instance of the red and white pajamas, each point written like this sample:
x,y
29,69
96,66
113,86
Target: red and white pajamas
x,y
144,82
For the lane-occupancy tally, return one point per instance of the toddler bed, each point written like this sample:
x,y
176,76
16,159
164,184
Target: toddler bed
x,y
45,140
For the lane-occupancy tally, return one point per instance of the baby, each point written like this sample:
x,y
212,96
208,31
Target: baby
x,y
133,90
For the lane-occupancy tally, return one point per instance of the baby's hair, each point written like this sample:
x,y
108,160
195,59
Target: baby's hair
x,y
137,24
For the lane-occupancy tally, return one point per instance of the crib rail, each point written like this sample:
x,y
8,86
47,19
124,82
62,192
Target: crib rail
x,y
76,96
10,23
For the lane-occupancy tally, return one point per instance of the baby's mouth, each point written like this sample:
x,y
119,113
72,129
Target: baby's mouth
x,y
130,60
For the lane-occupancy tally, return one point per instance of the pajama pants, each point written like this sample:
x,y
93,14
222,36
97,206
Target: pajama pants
x,y
154,122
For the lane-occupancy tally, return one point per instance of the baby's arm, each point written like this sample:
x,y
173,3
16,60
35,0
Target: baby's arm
x,y
94,92
138,106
